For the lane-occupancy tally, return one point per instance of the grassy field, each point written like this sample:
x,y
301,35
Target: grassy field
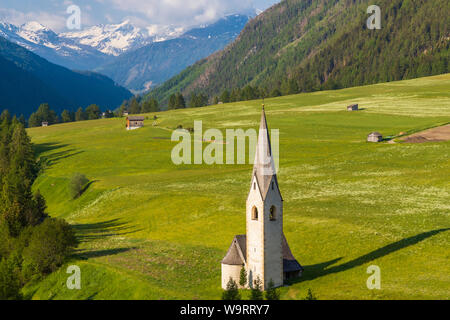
x,y
152,230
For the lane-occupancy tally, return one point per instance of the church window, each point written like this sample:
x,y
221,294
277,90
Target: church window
x,y
254,186
273,183
254,213
272,215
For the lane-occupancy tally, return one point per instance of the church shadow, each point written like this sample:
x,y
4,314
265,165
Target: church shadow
x,y
322,269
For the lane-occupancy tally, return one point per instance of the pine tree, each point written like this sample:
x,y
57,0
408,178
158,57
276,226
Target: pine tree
x,y
180,103
272,293
243,278
172,102
225,96
80,115
256,291
134,106
66,116
310,295
232,292
9,280
93,112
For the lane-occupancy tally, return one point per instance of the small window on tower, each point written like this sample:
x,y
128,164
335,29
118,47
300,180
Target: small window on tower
x,y
272,215
254,185
254,213
273,184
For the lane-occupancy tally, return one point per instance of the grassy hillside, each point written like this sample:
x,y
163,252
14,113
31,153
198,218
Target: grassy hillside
x,y
302,46
153,230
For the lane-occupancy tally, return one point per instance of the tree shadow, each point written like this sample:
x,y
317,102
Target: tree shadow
x,y
53,158
85,188
40,148
88,254
102,230
319,270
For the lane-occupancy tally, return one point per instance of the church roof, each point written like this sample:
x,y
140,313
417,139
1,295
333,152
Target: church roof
x,y
237,254
264,166
290,264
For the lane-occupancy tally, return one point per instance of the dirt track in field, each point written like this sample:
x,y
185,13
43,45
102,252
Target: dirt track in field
x,y
431,135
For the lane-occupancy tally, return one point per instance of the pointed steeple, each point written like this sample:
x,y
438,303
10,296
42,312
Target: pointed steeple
x,y
264,166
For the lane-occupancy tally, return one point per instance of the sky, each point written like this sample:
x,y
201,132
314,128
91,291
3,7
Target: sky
x,y
142,13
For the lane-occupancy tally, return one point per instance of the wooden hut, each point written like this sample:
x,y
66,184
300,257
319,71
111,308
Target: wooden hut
x,y
374,137
135,122
353,107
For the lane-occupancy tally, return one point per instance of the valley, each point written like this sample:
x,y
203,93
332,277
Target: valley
x,y
152,230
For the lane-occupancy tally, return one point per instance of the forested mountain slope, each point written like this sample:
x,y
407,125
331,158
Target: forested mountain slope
x,y
28,80
299,45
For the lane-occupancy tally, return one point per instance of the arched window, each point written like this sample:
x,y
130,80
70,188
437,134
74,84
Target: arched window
x,y
254,186
254,213
272,214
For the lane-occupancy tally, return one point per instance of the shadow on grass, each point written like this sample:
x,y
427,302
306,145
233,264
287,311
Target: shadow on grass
x,y
101,253
99,231
55,157
319,270
85,188
102,230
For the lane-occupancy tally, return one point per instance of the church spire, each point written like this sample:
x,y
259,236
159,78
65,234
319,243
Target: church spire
x,y
264,166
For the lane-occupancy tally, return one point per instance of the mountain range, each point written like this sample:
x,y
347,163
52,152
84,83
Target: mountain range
x,y
297,46
55,48
155,63
27,80
134,57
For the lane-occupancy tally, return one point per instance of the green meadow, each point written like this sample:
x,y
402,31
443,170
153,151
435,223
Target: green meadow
x,y
149,229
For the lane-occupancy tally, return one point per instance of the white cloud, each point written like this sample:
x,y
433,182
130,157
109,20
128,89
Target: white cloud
x,y
181,12
52,21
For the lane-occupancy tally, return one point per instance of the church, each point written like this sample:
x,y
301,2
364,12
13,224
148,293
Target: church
x,y
263,251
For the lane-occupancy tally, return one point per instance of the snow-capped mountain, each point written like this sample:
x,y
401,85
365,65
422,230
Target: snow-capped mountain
x,y
115,39
133,57
53,47
140,69
85,49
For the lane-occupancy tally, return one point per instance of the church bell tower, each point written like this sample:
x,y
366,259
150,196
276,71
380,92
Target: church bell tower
x,y
263,251
264,216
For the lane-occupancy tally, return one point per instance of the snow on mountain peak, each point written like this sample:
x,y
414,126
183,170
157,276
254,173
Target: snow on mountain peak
x,y
34,26
111,39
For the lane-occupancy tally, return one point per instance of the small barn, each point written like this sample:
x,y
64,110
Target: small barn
x,y
135,122
45,124
353,107
374,137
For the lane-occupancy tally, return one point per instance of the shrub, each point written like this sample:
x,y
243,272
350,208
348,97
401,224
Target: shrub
x,y
232,292
78,184
310,295
49,245
256,292
10,283
272,292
